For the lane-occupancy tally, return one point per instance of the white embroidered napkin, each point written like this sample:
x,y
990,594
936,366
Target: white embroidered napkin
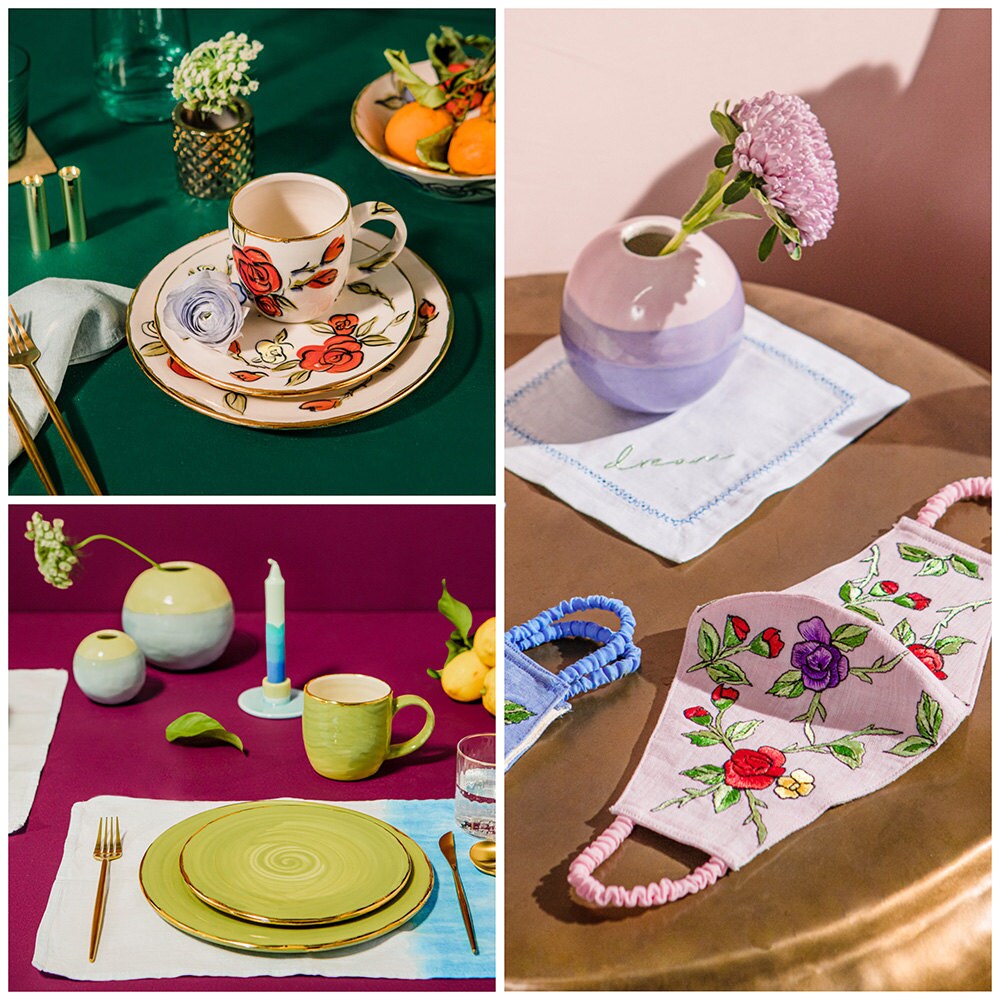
x,y
136,943
34,699
677,484
71,322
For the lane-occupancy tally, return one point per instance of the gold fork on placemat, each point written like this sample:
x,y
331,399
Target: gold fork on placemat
x,y
22,353
106,850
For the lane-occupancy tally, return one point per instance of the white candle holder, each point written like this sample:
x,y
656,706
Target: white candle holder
x,y
272,701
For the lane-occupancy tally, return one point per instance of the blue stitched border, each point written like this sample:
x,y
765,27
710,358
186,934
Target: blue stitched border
x,y
847,401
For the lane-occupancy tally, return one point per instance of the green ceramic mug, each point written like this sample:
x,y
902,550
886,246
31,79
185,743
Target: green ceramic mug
x,y
347,725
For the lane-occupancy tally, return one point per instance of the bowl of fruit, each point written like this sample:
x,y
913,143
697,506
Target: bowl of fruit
x,y
433,122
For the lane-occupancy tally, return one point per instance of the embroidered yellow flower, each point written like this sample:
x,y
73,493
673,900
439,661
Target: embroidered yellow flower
x,y
794,785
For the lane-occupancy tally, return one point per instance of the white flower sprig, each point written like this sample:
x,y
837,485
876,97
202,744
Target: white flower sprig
x,y
211,76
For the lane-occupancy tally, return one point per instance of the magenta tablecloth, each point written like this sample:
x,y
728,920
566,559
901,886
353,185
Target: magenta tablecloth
x,y
121,750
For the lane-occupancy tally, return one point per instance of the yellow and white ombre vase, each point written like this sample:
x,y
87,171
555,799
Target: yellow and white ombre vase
x,y
180,614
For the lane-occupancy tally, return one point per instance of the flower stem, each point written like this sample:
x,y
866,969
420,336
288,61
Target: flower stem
x,y
758,821
685,799
694,222
111,538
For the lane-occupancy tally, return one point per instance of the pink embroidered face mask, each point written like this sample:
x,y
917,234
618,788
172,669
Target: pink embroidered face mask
x,y
785,704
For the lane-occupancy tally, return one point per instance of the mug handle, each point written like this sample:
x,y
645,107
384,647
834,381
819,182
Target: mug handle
x,y
402,749
362,214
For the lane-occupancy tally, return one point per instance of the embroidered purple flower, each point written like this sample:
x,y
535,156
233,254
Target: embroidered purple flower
x,y
823,666
207,308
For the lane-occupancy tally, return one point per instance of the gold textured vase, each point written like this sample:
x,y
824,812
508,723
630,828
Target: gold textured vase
x,y
214,162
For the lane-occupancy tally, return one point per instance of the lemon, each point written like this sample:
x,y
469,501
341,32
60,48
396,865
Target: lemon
x,y
485,642
490,692
463,675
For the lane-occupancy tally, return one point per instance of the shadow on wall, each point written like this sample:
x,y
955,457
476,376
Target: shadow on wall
x,y
911,242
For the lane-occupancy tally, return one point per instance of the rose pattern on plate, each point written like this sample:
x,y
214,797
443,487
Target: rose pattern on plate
x,y
261,280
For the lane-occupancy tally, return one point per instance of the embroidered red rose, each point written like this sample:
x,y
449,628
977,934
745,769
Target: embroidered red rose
x,y
696,713
322,278
740,627
334,250
268,306
258,274
773,639
754,768
427,310
722,693
339,353
930,658
919,601
343,322
888,586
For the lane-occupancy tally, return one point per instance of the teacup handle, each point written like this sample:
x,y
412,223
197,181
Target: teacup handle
x,y
402,749
365,213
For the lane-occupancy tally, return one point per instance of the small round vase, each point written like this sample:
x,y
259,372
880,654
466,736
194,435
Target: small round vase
x,y
214,154
651,333
109,667
181,615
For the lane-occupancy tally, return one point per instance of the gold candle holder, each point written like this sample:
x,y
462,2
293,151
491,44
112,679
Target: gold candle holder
x,y
72,195
38,212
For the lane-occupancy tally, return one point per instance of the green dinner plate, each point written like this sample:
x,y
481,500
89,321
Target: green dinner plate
x,y
167,892
295,863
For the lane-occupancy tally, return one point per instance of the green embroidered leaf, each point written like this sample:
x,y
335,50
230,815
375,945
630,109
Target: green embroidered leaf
x,y
905,601
727,672
849,592
861,675
724,797
708,641
913,554
513,713
741,730
821,711
904,633
850,636
707,774
868,613
199,729
965,567
703,739
929,717
788,685
933,567
729,636
849,751
911,746
951,644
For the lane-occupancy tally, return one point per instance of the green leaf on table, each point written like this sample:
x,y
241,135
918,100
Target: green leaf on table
x,y
911,553
850,636
965,567
724,797
911,746
707,774
199,729
708,641
788,685
929,717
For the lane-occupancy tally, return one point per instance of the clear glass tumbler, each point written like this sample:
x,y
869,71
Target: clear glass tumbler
x,y
18,65
135,52
475,785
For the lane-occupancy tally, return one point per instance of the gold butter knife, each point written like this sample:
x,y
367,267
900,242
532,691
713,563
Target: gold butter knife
x,y
447,845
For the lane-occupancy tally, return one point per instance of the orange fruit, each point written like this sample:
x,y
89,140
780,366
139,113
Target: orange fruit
x,y
411,123
473,148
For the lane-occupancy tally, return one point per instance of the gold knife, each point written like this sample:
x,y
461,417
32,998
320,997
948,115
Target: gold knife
x,y
447,845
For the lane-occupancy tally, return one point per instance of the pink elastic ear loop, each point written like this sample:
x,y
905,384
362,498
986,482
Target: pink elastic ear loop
x,y
667,890
963,489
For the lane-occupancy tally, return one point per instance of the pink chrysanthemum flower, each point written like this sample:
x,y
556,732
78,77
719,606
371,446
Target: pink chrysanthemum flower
x,y
783,143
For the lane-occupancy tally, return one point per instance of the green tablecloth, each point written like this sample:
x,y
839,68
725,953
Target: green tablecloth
x,y
438,440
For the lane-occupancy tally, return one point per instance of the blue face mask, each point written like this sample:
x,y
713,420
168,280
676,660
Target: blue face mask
x,y
533,696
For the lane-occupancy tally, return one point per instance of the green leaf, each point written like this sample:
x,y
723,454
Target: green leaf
x,y
708,641
738,189
933,567
724,157
713,183
965,567
741,730
199,729
913,554
428,94
703,739
285,366
849,592
727,672
729,636
867,612
850,636
457,613
707,774
236,401
911,746
375,340
951,644
929,717
281,336
432,150
436,674
848,751
724,797
904,633
722,215
724,125
153,350
513,713
788,685
296,377
767,243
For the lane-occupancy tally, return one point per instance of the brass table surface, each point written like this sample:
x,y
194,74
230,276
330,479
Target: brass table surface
x,y
891,891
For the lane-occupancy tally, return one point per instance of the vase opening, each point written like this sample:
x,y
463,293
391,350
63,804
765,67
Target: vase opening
x,y
174,569
648,241
107,635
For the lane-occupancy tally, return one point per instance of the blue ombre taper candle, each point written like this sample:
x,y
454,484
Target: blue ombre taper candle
x,y
274,620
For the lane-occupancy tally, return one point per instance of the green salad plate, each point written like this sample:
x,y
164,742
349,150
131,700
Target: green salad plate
x,y
166,891
295,863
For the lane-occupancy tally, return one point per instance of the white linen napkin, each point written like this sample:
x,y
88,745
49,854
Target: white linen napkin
x,y
676,484
34,698
136,943
71,322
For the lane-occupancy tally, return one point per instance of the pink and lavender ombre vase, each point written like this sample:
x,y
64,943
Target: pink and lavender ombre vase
x,y
646,332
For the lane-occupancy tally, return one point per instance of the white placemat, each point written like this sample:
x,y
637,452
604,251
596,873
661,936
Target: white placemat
x,y
34,699
677,484
137,944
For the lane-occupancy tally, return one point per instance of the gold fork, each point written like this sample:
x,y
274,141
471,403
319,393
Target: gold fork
x,y
106,850
22,353
28,443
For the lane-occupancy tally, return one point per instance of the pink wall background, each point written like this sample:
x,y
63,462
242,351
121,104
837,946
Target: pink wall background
x,y
333,557
606,117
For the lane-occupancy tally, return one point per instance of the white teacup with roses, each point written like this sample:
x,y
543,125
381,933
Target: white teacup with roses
x,y
292,235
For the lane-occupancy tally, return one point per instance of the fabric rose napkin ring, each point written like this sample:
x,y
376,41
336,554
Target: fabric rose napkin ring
x,y
786,704
535,697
